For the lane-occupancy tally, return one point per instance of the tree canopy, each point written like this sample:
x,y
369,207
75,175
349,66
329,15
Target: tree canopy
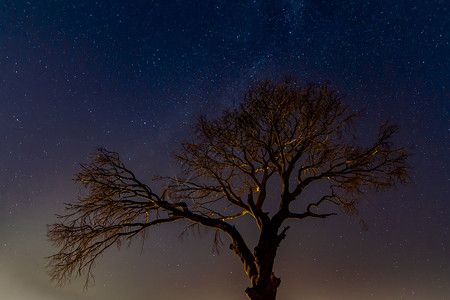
x,y
283,138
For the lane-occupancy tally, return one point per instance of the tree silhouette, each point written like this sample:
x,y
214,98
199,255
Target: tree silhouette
x,y
254,161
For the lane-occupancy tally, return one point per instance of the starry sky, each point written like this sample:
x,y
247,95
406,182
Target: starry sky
x,y
132,76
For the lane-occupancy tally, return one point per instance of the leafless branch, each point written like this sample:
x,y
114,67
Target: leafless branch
x,y
255,160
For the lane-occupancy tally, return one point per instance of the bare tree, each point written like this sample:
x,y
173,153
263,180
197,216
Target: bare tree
x,y
283,138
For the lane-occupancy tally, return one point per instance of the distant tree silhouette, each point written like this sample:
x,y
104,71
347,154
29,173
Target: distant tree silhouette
x,y
254,161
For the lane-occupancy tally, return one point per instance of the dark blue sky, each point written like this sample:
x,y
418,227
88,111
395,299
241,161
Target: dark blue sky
x,y
133,75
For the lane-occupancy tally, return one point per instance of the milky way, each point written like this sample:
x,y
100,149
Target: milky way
x,y
132,76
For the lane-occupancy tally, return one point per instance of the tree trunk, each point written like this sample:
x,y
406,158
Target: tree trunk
x,y
266,290
264,282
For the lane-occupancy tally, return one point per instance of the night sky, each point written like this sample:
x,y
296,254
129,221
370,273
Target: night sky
x,y
133,75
